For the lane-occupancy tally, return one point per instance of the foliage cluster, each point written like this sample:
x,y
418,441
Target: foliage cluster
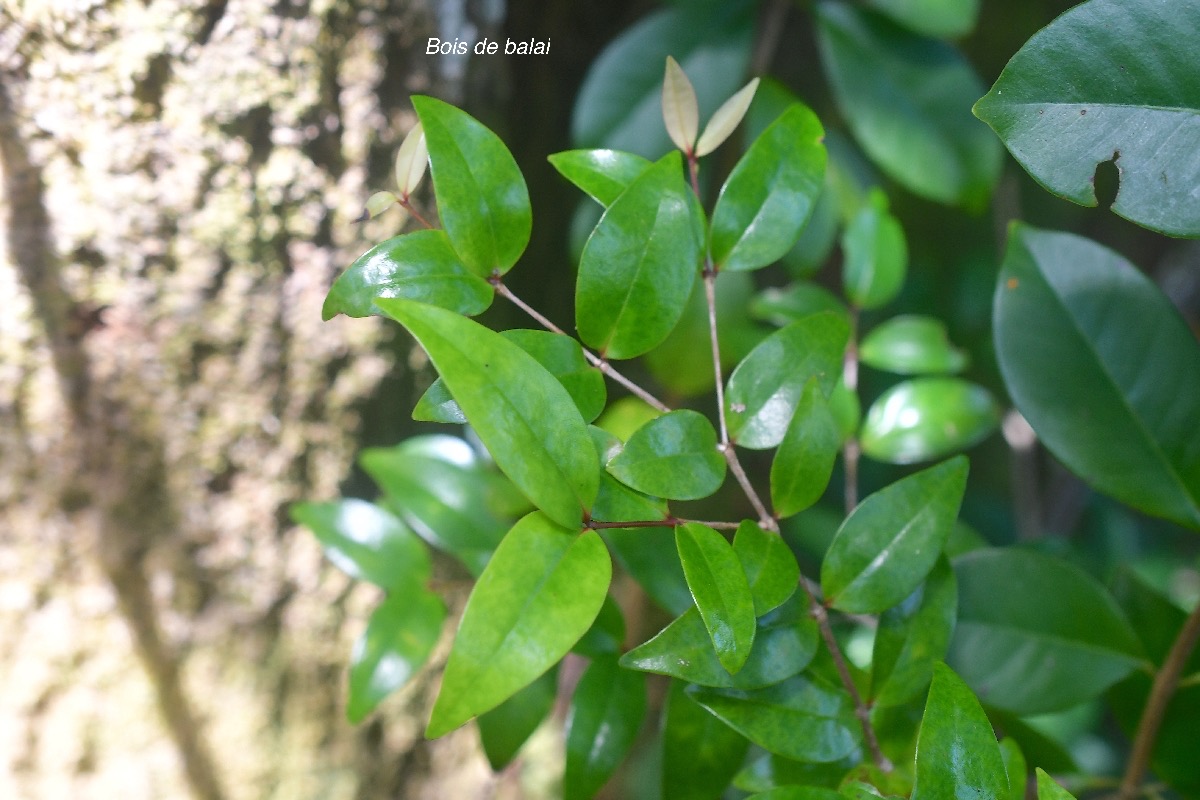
x,y
890,672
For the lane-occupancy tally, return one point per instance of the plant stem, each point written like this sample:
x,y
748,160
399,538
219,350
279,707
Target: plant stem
x,y
851,450
710,295
1165,684
410,208
596,361
669,522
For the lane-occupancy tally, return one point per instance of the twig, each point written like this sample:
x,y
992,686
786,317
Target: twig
x,y
1165,684
710,296
765,519
410,208
851,450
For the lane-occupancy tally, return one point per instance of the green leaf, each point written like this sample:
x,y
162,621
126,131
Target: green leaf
x,y
674,456
1040,749
875,255
887,546
366,542
1104,369
603,174
1015,767
619,104
639,265
1048,789
700,753
432,483
770,194
539,594
653,561
804,462
765,388
521,412
722,594
606,714
779,306
948,19
481,195
1036,634
797,793
784,644
563,358
398,640
1109,79
957,752
908,102
506,728
927,418
800,718
606,637
912,637
436,405
911,345
769,564
1174,757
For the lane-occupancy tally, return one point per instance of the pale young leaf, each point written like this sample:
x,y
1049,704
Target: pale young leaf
x,y
411,161
680,110
728,116
377,204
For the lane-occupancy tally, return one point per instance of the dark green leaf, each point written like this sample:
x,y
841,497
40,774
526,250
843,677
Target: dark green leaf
x,y
639,265
721,591
912,637
521,412
804,462
1174,756
944,18
770,194
603,174
770,771
481,195
1036,634
957,752
418,266
606,637
926,418
399,638
651,558
795,301
619,104
606,714
875,255
765,388
433,484
673,456
908,101
801,718
366,542
911,345
1015,767
538,595
1110,79
700,753
797,793
769,564
1104,369
504,729
887,546
784,644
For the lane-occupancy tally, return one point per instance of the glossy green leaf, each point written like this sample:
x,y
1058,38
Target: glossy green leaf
x,y
1110,79
911,345
602,724
1104,369
481,195
927,418
887,546
620,102
800,718
1015,767
957,752
1048,788
418,266
722,594
432,483
539,594
506,728
673,456
765,388
639,265
797,793
700,753
804,462
912,637
366,542
784,644
769,564
436,405
908,102
770,193
606,637
948,19
1035,633
651,558
521,412
603,174
875,255
563,358
398,640
779,306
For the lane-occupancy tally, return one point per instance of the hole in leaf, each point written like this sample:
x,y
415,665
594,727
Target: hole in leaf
x,y
1107,181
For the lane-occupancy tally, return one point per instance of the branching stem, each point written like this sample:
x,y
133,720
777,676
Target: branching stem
x,y
407,205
